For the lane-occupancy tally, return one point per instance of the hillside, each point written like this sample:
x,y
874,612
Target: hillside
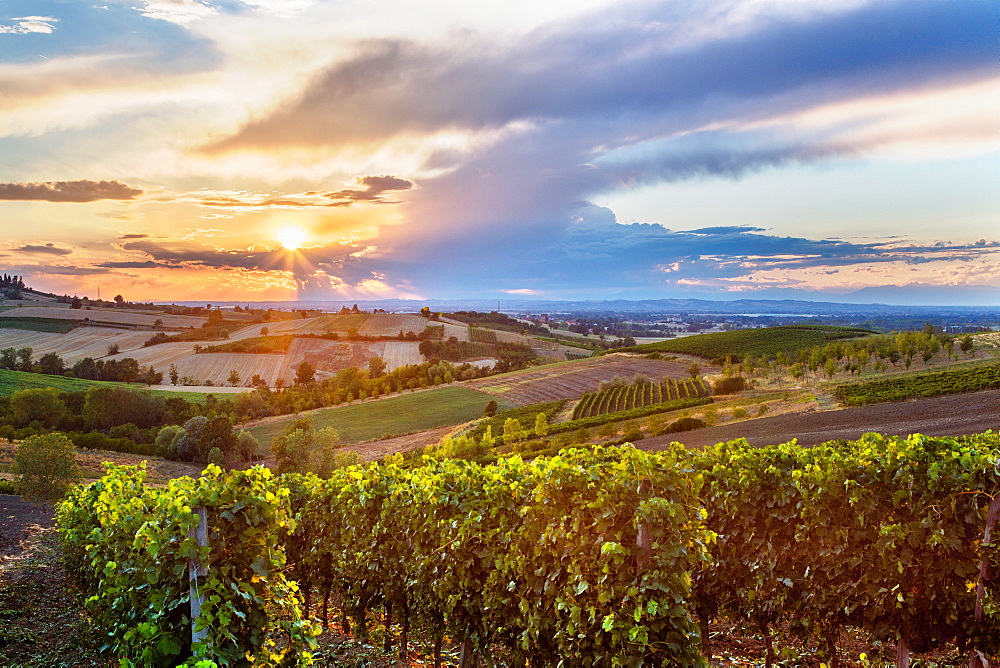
x,y
742,343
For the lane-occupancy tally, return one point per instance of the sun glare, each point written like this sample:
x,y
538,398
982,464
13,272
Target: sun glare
x,y
291,238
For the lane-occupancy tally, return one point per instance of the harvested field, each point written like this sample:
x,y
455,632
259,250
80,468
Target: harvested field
x,y
400,353
75,345
569,380
391,324
328,357
112,316
209,366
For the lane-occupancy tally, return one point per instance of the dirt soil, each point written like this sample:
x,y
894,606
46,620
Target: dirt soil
x,y
41,623
953,415
18,521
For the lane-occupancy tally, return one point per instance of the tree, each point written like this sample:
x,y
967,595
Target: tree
x,y
305,373
174,374
541,425
24,356
491,408
46,467
76,303
376,367
302,449
234,378
157,323
113,349
41,404
8,358
511,430
119,300
694,370
52,364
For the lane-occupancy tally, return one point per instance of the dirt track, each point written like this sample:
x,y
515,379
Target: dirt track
x,y
938,416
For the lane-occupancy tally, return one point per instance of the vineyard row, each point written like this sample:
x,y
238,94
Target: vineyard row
x,y
610,556
638,395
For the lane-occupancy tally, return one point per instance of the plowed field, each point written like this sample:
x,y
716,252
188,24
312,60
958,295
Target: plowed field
x,y
570,380
951,415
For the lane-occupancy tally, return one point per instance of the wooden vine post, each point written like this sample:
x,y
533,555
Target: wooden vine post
x,y
978,658
196,570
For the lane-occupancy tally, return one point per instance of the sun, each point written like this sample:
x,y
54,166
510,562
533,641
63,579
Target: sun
x,y
291,238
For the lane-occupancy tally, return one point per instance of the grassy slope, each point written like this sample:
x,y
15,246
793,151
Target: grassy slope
x,y
53,325
752,342
12,381
392,416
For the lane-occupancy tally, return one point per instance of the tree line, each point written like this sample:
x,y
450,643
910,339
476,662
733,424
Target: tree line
x,y
125,370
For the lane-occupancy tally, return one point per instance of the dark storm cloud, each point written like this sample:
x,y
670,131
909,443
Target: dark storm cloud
x,y
68,191
47,249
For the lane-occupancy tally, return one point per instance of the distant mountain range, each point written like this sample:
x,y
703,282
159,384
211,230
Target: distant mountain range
x,y
893,300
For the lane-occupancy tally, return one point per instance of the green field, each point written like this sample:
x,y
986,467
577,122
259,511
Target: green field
x,y
926,384
392,416
740,343
12,381
52,325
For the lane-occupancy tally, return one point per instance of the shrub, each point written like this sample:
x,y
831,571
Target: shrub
x,y
684,424
46,467
729,385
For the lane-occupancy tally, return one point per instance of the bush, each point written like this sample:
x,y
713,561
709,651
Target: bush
x,y
684,424
729,385
46,467
7,486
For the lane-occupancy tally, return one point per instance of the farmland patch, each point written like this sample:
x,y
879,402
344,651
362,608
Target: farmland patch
x,y
570,380
392,416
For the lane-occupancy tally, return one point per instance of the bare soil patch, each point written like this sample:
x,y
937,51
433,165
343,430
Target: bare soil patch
x,y
952,415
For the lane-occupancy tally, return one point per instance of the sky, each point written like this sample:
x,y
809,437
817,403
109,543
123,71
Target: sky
x,y
185,150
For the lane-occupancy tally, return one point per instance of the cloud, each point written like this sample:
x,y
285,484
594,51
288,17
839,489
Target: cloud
x,y
373,190
133,236
47,249
344,261
629,71
175,11
147,264
30,24
68,191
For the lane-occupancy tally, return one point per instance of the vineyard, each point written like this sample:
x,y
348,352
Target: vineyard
x,y
638,395
900,388
482,335
607,556
742,343
571,380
